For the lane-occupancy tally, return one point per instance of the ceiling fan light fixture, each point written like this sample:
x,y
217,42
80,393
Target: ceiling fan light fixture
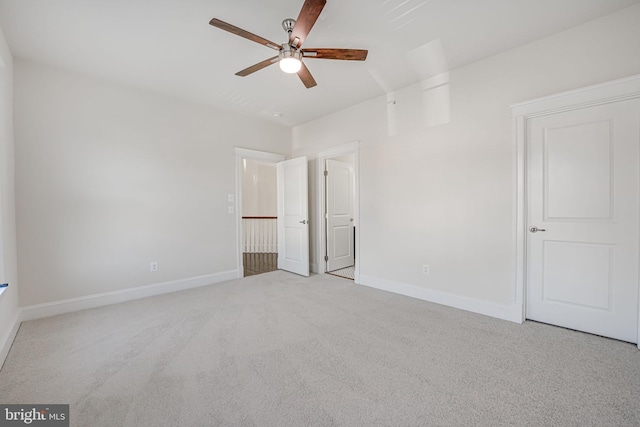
x,y
290,60
290,65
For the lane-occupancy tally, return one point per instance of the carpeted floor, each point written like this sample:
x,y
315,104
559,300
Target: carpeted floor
x,y
281,350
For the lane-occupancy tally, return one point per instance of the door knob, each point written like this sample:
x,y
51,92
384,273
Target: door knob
x,y
304,221
535,229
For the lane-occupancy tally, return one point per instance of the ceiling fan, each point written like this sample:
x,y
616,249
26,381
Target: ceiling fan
x,y
290,54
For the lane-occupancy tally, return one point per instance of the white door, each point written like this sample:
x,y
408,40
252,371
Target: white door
x,y
583,236
293,216
339,189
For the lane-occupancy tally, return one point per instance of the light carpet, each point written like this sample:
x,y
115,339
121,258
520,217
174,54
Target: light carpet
x,y
281,350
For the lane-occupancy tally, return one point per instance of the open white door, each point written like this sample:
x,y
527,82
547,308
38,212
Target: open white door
x,y
293,216
339,185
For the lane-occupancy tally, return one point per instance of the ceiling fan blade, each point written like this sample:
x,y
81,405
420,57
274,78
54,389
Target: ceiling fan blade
x,y
242,33
306,77
342,54
308,16
257,67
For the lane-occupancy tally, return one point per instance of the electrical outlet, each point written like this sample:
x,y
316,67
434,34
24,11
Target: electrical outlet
x,y
153,266
230,209
230,198
425,269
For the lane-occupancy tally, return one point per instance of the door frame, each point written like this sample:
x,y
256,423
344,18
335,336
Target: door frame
x,y
600,94
241,154
321,244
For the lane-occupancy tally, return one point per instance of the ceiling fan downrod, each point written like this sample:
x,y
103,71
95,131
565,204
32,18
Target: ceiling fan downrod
x,y
288,25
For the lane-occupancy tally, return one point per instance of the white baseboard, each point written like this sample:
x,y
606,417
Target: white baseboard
x,y
7,341
39,311
511,313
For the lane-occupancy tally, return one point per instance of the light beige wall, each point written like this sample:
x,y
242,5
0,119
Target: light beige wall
x,y
259,189
8,265
440,190
110,178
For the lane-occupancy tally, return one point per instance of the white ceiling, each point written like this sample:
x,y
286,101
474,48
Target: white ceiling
x,y
168,45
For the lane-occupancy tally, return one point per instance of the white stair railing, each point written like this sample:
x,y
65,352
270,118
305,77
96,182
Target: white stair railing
x,y
259,234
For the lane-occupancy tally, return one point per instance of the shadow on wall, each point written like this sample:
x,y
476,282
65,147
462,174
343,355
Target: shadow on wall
x,y
426,103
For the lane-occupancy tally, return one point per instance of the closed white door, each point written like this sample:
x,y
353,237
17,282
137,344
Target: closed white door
x,y
339,188
293,216
583,216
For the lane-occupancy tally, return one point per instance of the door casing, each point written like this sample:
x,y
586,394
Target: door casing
x,y
605,93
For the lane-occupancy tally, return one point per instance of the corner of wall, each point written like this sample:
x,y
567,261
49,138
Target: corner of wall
x,y
7,340
9,307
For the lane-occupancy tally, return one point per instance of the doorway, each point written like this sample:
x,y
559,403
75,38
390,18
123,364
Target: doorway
x,y
338,212
582,246
289,227
259,217
256,211
579,228
339,221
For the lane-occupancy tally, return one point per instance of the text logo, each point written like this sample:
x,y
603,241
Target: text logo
x,y
34,415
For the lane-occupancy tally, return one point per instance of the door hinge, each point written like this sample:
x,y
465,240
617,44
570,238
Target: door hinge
x,y
326,173
326,258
